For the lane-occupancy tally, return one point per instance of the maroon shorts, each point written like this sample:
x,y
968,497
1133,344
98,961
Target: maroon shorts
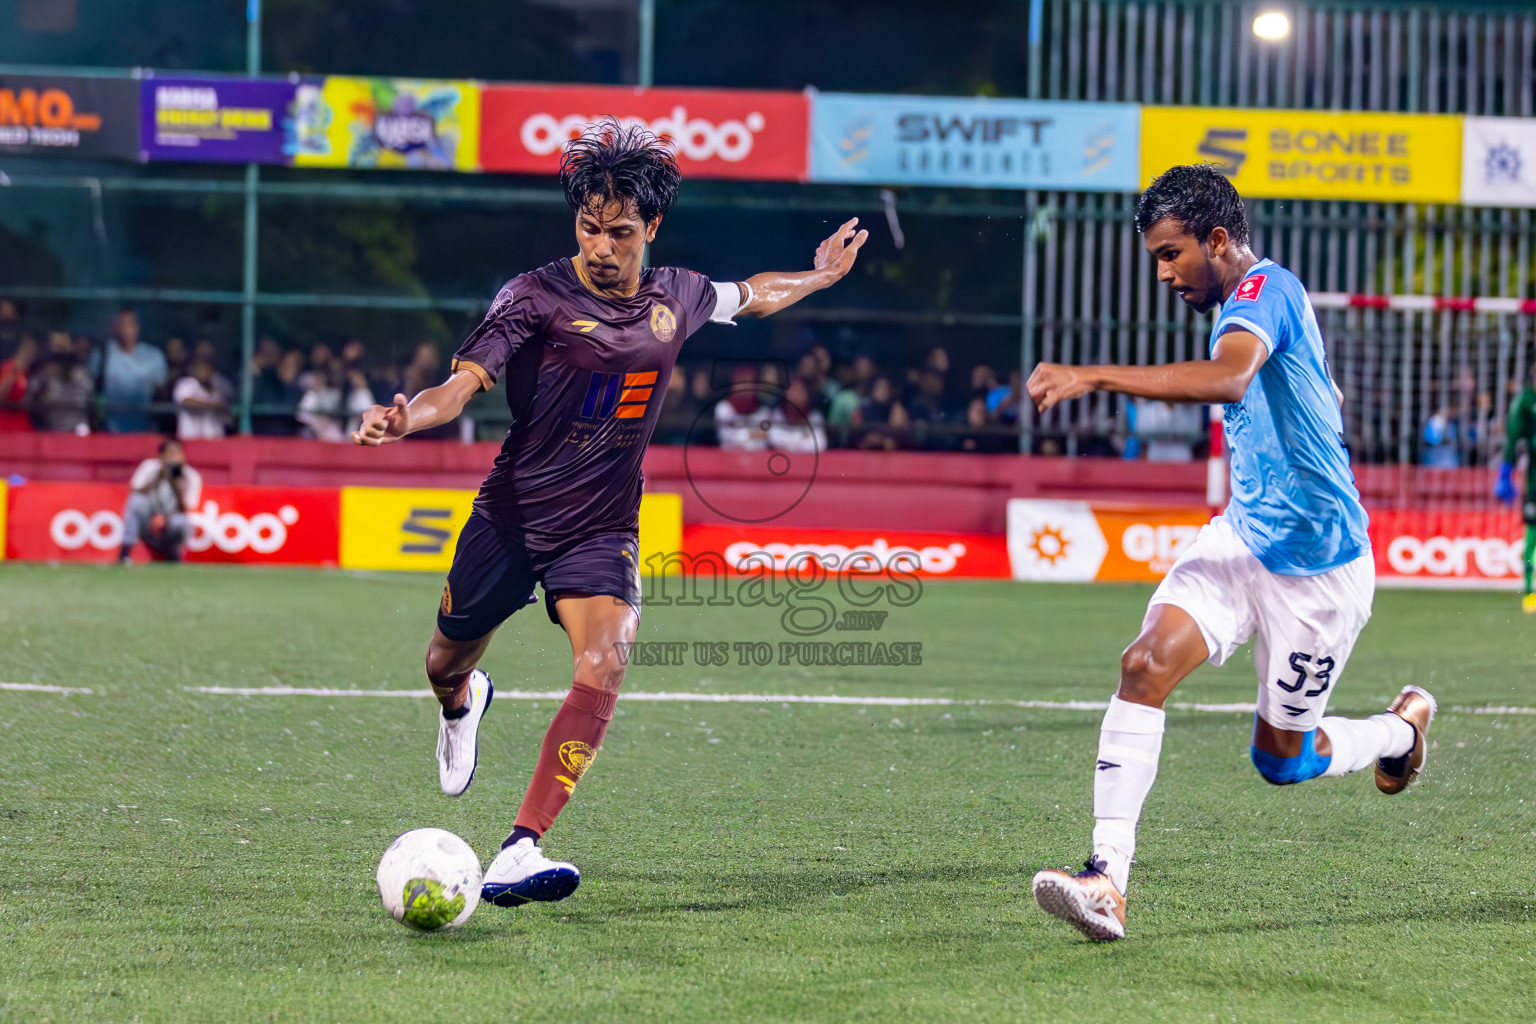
x,y
494,573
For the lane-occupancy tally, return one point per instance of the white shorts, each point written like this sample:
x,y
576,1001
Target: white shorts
x,y
1303,627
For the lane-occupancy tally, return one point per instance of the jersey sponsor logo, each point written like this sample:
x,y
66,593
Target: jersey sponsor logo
x,y
1251,288
663,323
621,395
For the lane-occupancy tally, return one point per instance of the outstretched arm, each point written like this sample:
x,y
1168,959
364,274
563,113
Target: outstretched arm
x,y
432,408
1222,378
774,291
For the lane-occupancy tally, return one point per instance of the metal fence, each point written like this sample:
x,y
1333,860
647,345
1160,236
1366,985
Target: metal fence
x,y
1087,289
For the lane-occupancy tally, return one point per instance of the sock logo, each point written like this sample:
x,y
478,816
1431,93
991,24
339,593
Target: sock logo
x,y
577,757
1106,765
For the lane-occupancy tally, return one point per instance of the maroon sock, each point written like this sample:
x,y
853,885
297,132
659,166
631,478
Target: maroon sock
x,y
569,747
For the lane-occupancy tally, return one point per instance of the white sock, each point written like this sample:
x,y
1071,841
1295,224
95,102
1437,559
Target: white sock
x,y
1130,741
1358,742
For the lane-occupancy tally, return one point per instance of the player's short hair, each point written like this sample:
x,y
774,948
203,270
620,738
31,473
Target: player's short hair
x,y
1198,196
618,162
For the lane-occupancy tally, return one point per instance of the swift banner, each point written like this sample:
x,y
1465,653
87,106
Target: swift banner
x,y
82,522
978,142
51,115
1301,154
1498,161
216,120
386,124
759,136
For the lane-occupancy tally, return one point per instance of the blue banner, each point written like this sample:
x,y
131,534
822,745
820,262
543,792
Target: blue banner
x,y
976,142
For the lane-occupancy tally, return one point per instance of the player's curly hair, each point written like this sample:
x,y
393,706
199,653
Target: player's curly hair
x,y
1198,196
612,161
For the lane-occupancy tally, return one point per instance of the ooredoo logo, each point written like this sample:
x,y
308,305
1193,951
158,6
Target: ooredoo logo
x,y
1493,557
264,533
731,140
878,554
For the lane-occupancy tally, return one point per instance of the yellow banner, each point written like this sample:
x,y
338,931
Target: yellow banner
x,y
1307,154
388,123
398,528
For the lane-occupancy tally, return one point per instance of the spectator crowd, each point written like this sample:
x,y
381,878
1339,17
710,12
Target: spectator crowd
x,y
51,380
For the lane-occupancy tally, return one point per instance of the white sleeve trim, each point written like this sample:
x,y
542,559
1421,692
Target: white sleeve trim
x,y
731,299
1250,327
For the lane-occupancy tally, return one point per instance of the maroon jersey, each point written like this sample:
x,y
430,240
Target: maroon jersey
x,y
586,374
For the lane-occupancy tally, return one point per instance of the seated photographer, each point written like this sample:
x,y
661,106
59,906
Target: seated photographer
x,y
164,490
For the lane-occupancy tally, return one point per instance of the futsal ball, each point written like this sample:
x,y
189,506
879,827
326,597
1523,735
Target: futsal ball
x,y
429,879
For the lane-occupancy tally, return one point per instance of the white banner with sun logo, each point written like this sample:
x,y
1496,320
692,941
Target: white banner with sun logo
x,y
1059,541
1079,542
1498,161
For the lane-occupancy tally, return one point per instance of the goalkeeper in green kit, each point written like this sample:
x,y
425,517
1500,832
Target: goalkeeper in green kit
x,y
1522,427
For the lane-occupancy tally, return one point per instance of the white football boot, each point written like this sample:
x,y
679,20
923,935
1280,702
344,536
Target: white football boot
x,y
521,873
458,739
1087,900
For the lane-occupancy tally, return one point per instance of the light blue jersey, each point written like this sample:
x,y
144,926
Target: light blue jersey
x,y
1294,501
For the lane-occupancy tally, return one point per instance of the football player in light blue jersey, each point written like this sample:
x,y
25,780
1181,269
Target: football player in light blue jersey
x,y
1288,563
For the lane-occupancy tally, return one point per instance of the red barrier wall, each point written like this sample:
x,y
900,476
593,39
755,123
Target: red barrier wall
x,y
866,490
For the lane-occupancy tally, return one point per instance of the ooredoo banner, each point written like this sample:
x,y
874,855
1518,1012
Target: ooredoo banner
x,y
220,120
756,549
974,141
55,115
82,522
718,134
1448,548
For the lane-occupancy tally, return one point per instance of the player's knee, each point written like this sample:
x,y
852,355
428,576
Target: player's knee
x,y
444,669
1144,677
600,669
1286,771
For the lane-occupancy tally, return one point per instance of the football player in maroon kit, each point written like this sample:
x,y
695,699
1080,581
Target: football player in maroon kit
x,y
586,345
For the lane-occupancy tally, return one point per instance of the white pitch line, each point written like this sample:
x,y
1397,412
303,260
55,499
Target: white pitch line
x,y
42,688
784,698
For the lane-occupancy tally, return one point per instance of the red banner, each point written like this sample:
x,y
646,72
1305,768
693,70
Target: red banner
x,y
67,522
760,136
1448,545
929,555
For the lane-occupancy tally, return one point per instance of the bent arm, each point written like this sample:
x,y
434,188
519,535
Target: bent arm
x,y
431,408
773,291
1222,378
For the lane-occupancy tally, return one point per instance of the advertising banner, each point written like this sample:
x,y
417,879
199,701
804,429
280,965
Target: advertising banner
x,y
1498,161
976,141
759,136
394,528
223,120
386,124
1448,548
1307,154
759,548
1079,542
54,115
82,522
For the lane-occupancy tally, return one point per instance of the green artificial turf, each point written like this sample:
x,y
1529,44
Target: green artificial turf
x,y
176,856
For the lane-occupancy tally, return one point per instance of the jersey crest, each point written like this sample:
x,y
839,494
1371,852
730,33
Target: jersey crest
x,y
1250,288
